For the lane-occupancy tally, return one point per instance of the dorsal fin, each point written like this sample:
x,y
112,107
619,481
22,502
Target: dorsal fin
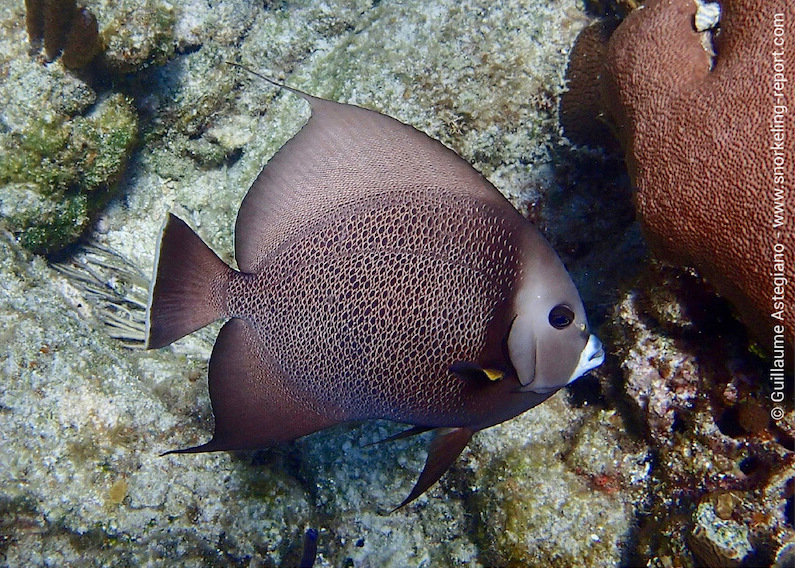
x,y
343,154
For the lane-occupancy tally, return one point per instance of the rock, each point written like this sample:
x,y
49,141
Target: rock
x,y
557,487
706,413
64,152
718,542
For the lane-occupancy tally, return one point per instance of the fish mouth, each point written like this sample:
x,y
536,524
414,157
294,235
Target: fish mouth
x,y
592,355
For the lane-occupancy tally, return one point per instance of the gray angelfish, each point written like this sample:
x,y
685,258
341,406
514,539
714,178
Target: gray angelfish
x,y
380,276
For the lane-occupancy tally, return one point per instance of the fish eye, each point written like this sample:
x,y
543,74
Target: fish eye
x,y
561,316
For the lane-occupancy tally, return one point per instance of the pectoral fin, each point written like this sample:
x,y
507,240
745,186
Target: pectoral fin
x,y
473,372
538,390
494,374
446,446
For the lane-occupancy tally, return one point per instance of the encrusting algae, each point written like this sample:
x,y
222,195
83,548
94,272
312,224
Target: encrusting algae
x,y
55,175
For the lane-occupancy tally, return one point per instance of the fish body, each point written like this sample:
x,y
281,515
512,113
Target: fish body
x,y
380,276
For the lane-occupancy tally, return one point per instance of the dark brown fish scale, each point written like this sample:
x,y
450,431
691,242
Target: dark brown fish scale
x,y
409,283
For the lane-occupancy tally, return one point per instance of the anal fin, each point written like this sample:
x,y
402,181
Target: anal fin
x,y
445,448
252,402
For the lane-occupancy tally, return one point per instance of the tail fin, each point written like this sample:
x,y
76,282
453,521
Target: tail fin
x,y
188,290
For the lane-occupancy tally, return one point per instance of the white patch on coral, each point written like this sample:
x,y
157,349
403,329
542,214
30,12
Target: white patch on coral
x,y
706,21
707,15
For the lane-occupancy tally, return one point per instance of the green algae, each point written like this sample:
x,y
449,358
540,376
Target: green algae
x,y
60,170
105,140
50,229
138,34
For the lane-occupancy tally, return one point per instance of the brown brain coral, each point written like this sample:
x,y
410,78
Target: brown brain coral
x,y
701,146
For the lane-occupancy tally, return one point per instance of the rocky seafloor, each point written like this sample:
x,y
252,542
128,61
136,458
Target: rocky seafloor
x,y
665,456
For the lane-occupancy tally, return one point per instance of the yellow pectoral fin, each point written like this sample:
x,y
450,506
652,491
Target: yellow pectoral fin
x,y
474,372
494,374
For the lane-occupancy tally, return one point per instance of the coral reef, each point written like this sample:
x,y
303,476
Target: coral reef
x,y
64,151
727,468
65,146
724,481
696,130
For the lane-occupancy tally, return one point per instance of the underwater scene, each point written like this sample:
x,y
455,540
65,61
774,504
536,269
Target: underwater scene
x,y
397,283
